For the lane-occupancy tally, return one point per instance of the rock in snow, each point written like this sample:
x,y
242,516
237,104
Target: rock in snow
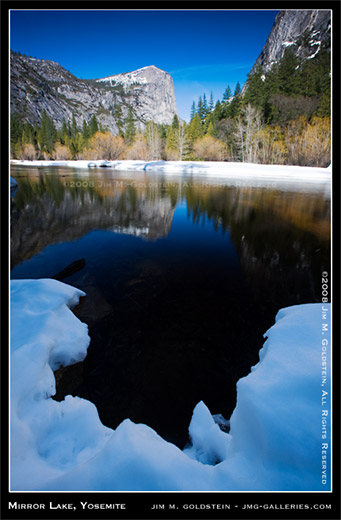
x,y
279,427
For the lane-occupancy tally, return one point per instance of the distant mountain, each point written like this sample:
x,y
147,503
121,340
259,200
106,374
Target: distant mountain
x,y
302,30
151,92
43,84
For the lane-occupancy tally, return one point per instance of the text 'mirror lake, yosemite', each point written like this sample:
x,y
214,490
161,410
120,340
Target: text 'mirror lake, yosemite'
x,y
183,276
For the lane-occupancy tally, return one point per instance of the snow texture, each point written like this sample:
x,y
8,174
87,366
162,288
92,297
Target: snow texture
x,y
275,438
127,78
216,169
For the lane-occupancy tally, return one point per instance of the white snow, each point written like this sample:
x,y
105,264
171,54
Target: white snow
x,y
128,78
208,168
275,441
313,55
287,44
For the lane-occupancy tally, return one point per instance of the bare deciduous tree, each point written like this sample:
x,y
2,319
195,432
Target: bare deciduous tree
x,y
210,149
154,141
108,146
61,153
28,152
138,150
247,129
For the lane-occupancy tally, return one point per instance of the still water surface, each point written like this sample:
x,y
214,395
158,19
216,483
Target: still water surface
x,y
183,276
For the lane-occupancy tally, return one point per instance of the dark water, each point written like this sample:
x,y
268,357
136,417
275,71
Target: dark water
x,y
183,276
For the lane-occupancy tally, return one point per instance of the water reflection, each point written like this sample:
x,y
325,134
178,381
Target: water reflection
x,y
182,279
53,208
275,233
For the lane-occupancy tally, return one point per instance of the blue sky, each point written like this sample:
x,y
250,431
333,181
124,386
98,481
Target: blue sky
x,y
203,50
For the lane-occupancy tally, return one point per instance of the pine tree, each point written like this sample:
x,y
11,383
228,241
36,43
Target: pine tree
x,y
74,129
204,105
195,128
69,131
93,126
171,147
175,122
234,107
193,110
255,89
64,134
28,135
237,90
16,132
210,130
287,73
218,111
163,130
211,103
48,134
130,130
85,131
118,115
200,110
227,94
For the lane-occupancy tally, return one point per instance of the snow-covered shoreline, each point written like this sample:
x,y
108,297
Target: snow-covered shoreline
x,y
279,427
217,169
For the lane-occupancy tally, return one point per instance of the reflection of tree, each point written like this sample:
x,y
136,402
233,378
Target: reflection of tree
x,y
282,238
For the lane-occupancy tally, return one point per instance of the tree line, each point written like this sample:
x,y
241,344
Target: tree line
x,y
281,117
92,141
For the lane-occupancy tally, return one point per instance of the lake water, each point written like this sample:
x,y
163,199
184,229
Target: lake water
x,y
183,276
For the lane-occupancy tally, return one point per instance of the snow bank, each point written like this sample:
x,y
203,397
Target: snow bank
x,y
47,437
276,436
218,169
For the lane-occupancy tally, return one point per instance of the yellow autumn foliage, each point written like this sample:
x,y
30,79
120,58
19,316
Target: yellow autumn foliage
x,y
209,148
107,146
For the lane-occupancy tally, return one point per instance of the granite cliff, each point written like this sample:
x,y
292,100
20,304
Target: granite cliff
x,y
38,85
302,30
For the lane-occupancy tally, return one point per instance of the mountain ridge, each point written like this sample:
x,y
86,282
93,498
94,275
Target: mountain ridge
x,y
38,85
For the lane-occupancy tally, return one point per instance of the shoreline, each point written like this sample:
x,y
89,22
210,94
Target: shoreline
x,y
216,169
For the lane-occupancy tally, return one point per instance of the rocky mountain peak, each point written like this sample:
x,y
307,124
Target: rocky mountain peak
x,y
303,30
139,75
152,90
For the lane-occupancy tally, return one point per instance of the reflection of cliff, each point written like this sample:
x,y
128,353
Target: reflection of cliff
x,y
41,216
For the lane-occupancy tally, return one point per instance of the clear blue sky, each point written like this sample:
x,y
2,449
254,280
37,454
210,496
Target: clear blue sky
x,y
203,50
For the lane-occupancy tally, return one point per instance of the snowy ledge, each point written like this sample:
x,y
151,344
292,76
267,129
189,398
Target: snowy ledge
x,y
218,169
275,441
